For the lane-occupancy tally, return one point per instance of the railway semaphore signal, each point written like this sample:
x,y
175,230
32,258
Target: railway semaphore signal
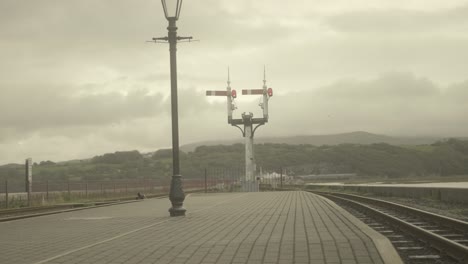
x,y
250,124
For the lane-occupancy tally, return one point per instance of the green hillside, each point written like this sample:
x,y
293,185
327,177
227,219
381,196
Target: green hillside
x,y
444,158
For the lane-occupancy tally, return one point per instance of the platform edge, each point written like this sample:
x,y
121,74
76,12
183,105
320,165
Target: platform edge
x,y
385,248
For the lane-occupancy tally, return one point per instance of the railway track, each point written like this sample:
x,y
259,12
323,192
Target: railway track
x,y
418,236
28,212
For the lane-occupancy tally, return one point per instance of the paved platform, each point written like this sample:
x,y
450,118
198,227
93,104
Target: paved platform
x,y
269,227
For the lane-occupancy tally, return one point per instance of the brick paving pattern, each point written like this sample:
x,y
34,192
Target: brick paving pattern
x,y
269,227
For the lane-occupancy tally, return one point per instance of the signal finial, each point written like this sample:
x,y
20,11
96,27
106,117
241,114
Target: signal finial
x,y
229,78
264,76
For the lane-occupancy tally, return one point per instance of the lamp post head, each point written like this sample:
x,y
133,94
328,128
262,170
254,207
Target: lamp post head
x,y
171,9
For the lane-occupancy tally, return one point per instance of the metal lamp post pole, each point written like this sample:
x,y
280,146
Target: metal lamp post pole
x,y
176,193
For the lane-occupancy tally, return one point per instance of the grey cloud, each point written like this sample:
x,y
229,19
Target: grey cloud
x,y
78,23
41,109
55,112
64,64
390,85
334,57
400,21
394,103
74,28
458,92
400,104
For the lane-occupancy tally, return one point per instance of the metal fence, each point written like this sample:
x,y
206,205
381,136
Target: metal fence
x,y
48,193
52,192
230,179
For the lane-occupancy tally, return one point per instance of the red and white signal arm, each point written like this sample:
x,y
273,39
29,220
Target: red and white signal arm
x,y
270,92
233,93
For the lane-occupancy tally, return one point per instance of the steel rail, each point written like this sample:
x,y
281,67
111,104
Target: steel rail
x,y
28,212
65,207
453,223
38,208
449,247
43,213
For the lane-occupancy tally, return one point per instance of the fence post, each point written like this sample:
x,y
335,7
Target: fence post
x,y
281,177
47,190
102,191
6,193
223,175
68,189
211,179
86,190
28,181
216,179
206,186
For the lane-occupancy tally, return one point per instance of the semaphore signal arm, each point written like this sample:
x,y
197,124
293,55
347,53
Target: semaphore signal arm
x,y
247,118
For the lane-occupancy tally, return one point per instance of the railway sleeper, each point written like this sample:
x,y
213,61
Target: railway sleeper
x,y
424,257
452,235
399,242
395,236
427,226
420,223
410,248
438,230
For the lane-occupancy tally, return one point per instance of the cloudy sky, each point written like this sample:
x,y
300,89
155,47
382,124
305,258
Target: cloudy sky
x,y
77,78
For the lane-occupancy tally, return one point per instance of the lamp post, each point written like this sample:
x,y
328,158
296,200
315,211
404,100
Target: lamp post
x,y
176,193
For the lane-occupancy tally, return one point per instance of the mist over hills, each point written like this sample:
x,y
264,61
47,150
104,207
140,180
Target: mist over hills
x,y
357,137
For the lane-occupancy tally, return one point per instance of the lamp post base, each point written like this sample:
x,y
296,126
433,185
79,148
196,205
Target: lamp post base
x,y
177,211
177,197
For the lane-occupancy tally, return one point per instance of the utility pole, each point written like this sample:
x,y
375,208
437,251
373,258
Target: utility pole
x,y
250,125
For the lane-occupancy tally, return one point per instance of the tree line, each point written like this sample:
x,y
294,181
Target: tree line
x,y
448,157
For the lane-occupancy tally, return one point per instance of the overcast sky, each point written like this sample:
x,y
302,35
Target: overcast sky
x,y
77,78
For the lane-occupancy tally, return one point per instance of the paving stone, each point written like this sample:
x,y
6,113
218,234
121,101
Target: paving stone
x,y
270,227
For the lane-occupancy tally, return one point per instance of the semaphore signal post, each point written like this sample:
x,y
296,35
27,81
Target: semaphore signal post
x,y
250,183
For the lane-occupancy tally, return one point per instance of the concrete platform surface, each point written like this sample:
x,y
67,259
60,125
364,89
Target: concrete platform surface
x,y
269,227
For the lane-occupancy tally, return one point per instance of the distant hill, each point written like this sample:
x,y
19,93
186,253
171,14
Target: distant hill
x,y
358,137
445,157
12,166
